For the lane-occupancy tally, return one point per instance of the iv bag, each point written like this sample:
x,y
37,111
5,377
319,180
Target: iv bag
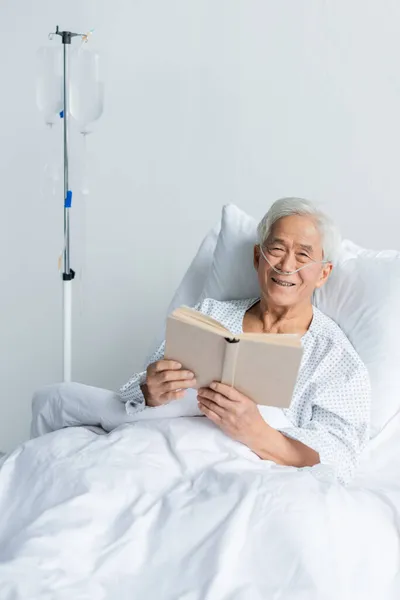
x,y
49,83
86,90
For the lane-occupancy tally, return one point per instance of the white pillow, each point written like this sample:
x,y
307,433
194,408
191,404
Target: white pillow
x,y
362,296
192,284
232,275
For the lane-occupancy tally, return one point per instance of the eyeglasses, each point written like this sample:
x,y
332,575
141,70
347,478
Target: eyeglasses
x,y
279,252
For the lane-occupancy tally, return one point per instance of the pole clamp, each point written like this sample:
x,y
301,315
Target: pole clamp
x,y
69,276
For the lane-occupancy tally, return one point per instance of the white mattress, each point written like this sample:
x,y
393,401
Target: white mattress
x,y
174,510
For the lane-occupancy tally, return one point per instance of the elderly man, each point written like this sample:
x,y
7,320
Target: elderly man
x,y
329,412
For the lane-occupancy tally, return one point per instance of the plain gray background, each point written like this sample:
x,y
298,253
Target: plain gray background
x,y
207,102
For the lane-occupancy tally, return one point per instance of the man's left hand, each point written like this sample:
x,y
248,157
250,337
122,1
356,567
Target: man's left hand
x,y
236,414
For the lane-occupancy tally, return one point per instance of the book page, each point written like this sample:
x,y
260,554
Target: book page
x,y
189,315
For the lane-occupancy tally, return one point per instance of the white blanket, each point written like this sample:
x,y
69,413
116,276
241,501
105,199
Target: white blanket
x,y
172,509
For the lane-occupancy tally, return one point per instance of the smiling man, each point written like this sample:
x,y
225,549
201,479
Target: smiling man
x,y
330,407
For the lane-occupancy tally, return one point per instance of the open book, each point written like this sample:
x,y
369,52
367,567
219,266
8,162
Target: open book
x,y
262,366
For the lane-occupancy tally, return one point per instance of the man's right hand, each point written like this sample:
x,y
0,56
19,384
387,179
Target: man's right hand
x,y
166,380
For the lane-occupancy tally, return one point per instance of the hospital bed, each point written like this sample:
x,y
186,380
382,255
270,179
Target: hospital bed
x,y
170,508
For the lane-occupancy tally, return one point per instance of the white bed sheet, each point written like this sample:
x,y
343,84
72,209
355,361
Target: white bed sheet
x,y
172,509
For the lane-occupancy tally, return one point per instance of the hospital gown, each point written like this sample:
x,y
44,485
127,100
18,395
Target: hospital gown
x,y
330,408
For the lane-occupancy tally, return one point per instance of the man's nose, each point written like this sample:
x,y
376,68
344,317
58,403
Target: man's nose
x,y
287,264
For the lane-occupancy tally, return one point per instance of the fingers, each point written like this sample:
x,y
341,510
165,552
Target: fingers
x,y
164,392
166,381
165,376
160,399
219,402
181,384
226,390
208,412
210,405
215,397
164,365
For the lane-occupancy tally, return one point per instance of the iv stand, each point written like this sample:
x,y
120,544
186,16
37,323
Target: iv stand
x,y
68,273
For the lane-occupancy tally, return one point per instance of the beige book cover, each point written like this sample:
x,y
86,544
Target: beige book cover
x,y
262,366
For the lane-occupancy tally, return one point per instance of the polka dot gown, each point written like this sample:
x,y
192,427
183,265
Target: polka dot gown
x,y
330,408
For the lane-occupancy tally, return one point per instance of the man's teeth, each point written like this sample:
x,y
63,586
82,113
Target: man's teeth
x,y
284,283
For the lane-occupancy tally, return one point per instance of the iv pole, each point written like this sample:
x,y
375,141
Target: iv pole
x,y
68,274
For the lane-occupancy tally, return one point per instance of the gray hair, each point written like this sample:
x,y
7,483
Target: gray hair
x,y
285,207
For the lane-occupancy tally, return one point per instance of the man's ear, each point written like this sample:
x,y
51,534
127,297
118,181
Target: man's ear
x,y
256,256
326,271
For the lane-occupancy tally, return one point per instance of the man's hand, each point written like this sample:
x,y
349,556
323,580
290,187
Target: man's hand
x,y
236,414
166,381
239,417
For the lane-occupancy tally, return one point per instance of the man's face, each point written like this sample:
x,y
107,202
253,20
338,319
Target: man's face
x,y
293,242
